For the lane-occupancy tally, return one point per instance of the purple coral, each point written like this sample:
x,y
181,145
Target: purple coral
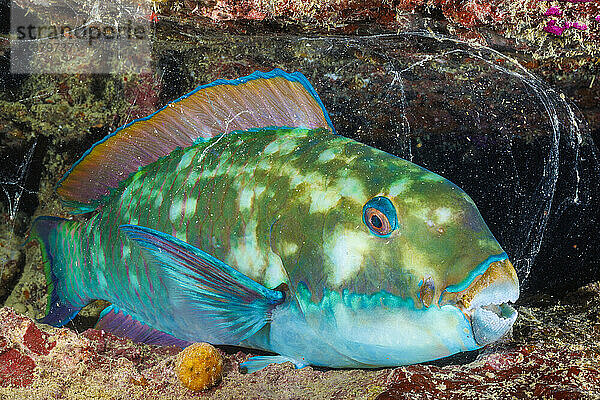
x,y
554,28
553,11
557,30
576,25
551,27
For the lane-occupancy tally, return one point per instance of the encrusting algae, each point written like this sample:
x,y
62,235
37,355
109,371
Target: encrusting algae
x,y
199,366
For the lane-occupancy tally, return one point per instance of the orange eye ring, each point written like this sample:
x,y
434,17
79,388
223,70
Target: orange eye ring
x,y
380,216
377,221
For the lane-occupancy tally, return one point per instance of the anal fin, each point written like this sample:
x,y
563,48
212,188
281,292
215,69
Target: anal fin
x,y
120,323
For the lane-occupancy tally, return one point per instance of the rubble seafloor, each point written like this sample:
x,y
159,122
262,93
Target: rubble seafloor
x,y
552,353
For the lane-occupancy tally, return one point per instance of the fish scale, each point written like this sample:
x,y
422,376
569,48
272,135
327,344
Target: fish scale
x,y
278,235
113,214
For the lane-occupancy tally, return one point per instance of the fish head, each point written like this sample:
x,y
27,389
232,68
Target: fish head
x,y
402,268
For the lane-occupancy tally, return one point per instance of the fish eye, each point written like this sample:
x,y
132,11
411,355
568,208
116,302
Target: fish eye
x,y
380,216
376,221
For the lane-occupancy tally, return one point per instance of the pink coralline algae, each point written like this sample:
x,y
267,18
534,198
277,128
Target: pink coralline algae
x,y
16,369
551,27
555,29
577,25
466,13
29,354
553,11
552,354
572,1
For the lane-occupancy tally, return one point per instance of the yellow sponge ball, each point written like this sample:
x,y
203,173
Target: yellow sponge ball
x,y
199,366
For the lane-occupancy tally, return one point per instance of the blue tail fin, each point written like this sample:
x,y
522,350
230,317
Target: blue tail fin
x,y
49,233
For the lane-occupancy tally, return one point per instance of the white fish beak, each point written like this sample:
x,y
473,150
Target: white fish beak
x,y
485,302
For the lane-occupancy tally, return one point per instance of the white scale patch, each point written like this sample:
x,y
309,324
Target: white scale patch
x,y
322,201
193,176
258,191
245,255
346,255
271,148
275,273
287,147
328,155
282,147
289,248
175,210
158,200
133,279
352,188
399,187
264,164
185,160
248,196
245,200
314,179
190,206
126,250
443,215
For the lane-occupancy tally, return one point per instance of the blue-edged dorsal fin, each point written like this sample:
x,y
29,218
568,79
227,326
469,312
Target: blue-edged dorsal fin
x,y
228,305
259,100
120,323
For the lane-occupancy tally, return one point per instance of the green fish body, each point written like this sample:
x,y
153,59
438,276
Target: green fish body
x,y
274,233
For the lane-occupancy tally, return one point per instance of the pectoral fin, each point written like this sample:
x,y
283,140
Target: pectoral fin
x,y
231,306
257,363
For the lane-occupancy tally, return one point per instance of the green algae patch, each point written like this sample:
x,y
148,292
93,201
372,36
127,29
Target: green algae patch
x,y
62,107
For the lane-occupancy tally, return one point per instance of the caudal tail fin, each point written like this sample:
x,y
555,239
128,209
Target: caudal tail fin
x,y
61,251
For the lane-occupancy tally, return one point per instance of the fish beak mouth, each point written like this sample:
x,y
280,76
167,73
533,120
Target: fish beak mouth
x,y
485,302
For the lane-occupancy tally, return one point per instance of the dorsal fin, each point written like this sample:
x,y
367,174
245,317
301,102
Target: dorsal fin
x,y
259,100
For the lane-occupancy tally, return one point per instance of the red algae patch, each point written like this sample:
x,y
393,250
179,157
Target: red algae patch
x,y
16,369
199,366
528,371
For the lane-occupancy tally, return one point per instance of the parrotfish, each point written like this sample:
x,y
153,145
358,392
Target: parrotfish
x,y
236,215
